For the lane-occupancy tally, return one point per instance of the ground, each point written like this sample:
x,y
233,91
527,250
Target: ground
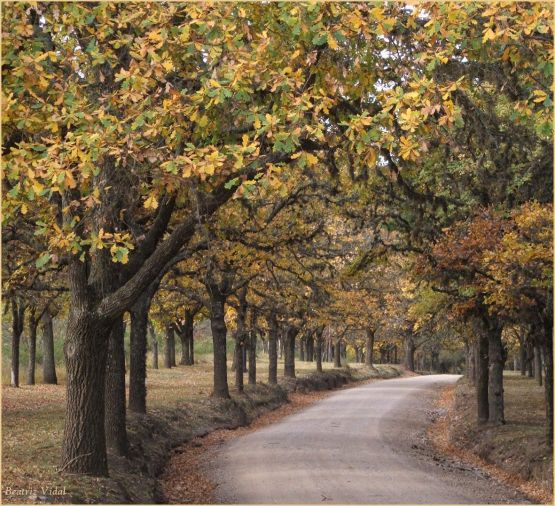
x,y
33,418
515,452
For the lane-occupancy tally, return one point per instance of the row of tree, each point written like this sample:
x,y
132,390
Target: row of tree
x,y
375,168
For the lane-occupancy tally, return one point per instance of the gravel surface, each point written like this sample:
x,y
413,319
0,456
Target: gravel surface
x,y
364,445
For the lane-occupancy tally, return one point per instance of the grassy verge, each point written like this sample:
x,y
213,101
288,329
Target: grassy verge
x,y
515,452
179,409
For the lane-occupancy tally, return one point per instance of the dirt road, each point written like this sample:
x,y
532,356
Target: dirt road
x,y
363,445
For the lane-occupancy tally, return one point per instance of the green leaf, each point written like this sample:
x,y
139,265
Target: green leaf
x,y
232,183
42,260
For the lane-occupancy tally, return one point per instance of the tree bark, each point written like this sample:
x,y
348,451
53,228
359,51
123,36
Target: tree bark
x,y
172,348
138,349
85,349
369,355
529,359
318,350
548,358
302,348
32,340
186,336
168,346
18,315
48,363
252,348
409,352
289,349
538,364
482,364
115,418
337,355
495,380
522,354
272,349
154,344
219,335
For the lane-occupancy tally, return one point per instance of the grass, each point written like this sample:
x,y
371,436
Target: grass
x,y
518,447
33,419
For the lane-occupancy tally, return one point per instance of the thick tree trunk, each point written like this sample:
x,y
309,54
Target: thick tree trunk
x,y
337,355
168,346
369,355
85,349
219,335
32,340
48,362
482,364
138,346
116,432
272,349
495,381
18,315
538,364
289,348
154,344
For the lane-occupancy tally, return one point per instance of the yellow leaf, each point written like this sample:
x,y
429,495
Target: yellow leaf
x,y
332,42
540,96
151,202
311,159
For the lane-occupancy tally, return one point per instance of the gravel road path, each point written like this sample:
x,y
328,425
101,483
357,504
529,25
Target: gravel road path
x,y
363,445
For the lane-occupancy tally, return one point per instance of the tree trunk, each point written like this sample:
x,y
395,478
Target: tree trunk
x,y
116,432
18,315
318,351
337,355
301,348
369,356
272,349
409,353
482,365
32,340
219,335
310,347
529,359
48,362
85,350
538,364
239,363
548,360
289,348
154,344
172,348
471,362
495,380
522,354
168,346
252,349
186,335
138,346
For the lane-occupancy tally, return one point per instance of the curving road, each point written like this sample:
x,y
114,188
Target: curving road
x,y
362,445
